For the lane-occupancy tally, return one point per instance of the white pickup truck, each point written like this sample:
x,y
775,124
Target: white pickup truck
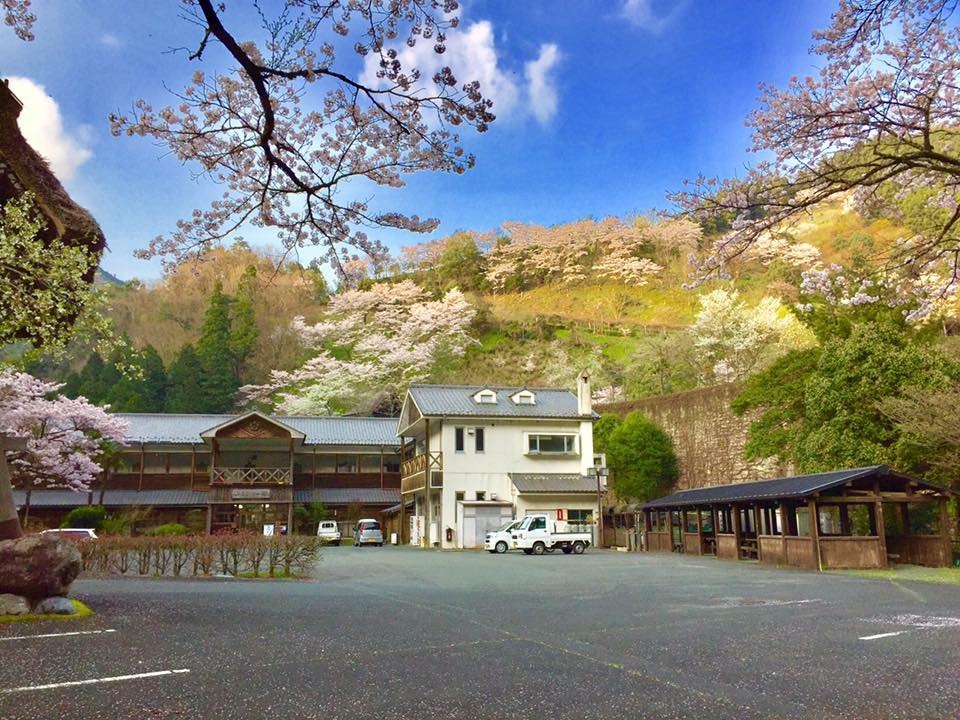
x,y
538,534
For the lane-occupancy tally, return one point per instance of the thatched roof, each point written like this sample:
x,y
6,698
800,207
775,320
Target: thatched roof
x,y
23,169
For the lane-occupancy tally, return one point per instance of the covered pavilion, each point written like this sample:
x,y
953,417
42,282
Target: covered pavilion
x,y
858,518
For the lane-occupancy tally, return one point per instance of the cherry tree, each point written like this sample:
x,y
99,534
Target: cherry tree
x,y
65,437
733,339
877,125
288,126
369,347
531,255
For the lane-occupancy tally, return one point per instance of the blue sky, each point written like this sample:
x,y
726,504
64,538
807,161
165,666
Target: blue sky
x,y
603,107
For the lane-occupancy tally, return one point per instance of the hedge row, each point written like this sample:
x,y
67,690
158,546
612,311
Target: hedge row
x,y
236,554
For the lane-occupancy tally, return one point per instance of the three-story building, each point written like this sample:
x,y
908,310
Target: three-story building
x,y
473,457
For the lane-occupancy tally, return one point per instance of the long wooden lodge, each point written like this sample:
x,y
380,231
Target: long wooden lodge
x,y
859,518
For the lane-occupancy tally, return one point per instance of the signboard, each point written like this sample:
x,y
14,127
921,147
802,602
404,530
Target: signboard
x,y
268,530
559,513
250,494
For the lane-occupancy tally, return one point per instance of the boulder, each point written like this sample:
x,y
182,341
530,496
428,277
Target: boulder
x,y
37,566
55,606
14,604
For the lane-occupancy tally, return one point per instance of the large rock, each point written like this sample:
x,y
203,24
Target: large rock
x,y
36,566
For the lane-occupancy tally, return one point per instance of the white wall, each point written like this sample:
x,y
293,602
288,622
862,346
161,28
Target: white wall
x,y
504,452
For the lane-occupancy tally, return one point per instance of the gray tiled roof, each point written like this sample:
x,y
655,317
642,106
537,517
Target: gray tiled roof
x,y
345,496
552,483
112,498
787,488
164,428
457,400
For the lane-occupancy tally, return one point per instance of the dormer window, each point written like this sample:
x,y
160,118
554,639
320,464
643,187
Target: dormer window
x,y
524,397
486,397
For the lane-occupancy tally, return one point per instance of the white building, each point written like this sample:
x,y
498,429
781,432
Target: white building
x,y
475,456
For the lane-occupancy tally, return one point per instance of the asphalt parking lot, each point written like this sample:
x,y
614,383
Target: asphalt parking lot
x,y
386,633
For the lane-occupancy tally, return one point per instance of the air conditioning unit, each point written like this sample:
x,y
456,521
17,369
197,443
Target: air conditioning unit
x,y
469,431
493,496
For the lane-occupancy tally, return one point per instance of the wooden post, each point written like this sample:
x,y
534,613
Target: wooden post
x,y
815,531
427,510
784,530
209,517
881,531
699,532
945,531
758,529
844,520
735,513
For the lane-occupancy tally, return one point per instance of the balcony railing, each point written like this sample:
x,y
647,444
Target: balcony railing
x,y
251,476
418,464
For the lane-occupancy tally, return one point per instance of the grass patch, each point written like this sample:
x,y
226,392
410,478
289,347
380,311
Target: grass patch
x,y
916,573
82,612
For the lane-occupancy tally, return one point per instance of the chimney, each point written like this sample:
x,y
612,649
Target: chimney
x,y
584,403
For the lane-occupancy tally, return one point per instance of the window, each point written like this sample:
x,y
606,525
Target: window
x,y
538,523
481,495
370,464
391,463
524,397
346,463
436,479
552,444
478,439
579,520
458,439
326,463
486,397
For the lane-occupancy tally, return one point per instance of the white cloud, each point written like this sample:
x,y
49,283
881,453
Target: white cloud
x,y
110,40
42,126
472,55
541,85
643,14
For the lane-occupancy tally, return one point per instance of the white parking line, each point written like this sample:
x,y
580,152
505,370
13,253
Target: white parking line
x,y
50,635
94,681
882,635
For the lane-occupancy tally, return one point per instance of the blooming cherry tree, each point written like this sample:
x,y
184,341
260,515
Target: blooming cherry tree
x,y
288,126
370,346
65,437
878,122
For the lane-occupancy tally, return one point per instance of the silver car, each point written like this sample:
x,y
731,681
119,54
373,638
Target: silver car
x,y
368,532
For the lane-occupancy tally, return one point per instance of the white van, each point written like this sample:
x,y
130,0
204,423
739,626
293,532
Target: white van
x,y
328,530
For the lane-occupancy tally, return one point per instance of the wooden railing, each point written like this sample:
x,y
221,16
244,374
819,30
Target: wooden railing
x,y
251,476
418,464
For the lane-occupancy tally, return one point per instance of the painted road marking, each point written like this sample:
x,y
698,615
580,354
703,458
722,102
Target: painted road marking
x,y
882,635
50,635
94,681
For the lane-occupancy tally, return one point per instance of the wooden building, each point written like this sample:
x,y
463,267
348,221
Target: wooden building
x,y
240,472
859,518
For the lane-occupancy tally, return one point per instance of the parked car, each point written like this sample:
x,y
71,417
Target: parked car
x,y
368,532
75,534
328,530
500,540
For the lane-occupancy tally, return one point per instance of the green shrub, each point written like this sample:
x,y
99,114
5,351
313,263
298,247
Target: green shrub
x,y
85,516
170,529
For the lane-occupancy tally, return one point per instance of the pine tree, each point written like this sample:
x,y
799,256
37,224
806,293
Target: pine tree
x,y
218,383
184,394
243,342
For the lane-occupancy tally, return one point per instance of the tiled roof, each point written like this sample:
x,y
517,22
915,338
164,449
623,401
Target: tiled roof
x,y
188,498
553,483
458,401
346,496
786,488
164,428
112,498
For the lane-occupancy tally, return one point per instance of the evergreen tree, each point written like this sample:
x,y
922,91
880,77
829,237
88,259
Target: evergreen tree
x,y
217,380
641,459
184,394
244,326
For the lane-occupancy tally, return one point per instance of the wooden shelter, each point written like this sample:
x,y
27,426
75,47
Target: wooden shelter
x,y
858,518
